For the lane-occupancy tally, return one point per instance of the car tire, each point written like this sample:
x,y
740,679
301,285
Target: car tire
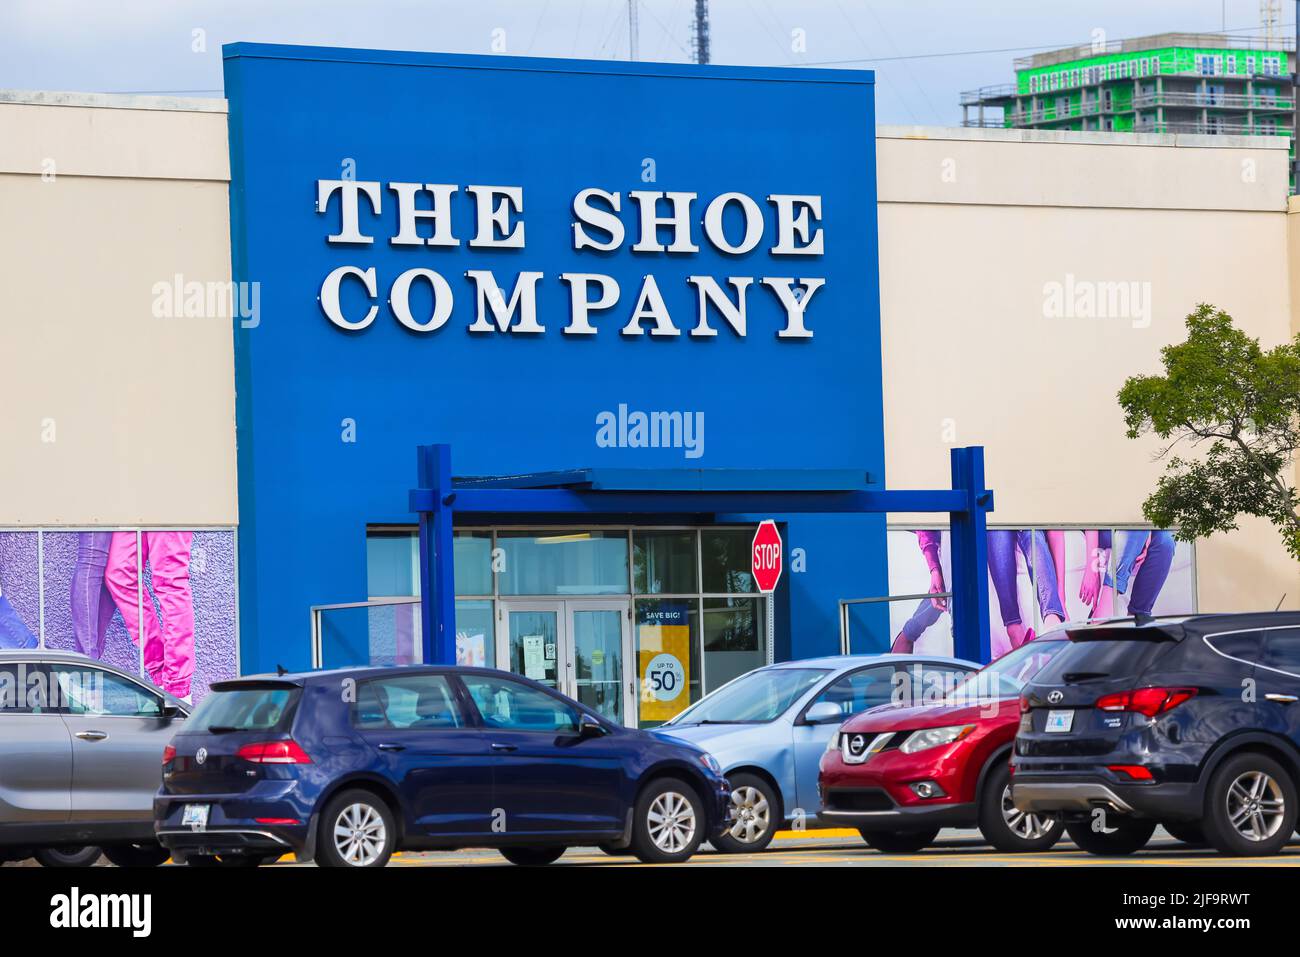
x,y
368,831
1245,781
532,856
146,854
1009,830
759,815
898,842
1127,835
1190,834
668,822
67,856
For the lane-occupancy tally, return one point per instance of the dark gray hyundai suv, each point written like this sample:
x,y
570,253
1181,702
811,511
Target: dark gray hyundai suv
x,y
1189,722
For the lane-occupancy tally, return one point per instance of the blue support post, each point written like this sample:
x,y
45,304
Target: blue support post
x,y
970,586
437,573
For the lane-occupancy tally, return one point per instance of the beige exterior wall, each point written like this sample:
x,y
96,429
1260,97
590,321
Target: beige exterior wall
x,y
112,416
976,226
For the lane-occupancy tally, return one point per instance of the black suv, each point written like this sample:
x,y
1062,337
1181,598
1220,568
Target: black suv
x,y
1191,722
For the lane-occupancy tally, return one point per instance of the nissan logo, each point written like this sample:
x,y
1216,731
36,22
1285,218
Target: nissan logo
x,y
1056,697
856,744
200,755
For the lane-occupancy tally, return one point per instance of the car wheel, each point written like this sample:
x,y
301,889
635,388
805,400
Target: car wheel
x,y
532,856
1122,835
1189,834
669,822
356,830
148,854
898,842
756,813
1250,806
66,856
1009,829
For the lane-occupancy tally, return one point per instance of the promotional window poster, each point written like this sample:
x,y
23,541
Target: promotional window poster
x,y
1038,579
663,635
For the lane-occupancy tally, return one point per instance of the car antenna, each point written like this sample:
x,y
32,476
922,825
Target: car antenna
x,y
280,670
1279,602
1142,620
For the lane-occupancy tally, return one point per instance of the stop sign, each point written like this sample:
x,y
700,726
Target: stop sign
x,y
765,556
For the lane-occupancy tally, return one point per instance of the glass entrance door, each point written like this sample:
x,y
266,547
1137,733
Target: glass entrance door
x,y
600,640
580,647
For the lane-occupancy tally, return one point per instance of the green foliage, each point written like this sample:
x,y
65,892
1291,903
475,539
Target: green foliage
x,y
1239,406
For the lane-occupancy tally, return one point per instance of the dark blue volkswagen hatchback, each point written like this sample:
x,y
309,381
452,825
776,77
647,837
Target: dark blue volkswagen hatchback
x,y
345,767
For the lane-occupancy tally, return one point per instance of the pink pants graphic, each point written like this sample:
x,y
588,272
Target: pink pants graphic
x,y
168,647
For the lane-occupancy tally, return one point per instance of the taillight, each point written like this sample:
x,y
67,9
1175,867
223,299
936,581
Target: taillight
x,y
1146,701
168,753
1135,771
1024,704
273,752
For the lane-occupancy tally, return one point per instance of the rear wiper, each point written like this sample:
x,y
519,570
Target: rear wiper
x,y
1070,676
222,728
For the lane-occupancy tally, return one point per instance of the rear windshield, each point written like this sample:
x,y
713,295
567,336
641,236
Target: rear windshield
x,y
243,709
1099,659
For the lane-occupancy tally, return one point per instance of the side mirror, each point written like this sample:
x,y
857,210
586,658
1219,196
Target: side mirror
x,y
169,711
589,727
823,712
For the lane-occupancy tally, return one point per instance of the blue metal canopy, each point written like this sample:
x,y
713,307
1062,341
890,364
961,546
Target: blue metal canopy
x,y
701,494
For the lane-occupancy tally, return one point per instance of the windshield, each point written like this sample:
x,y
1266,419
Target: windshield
x,y
1006,677
761,695
244,709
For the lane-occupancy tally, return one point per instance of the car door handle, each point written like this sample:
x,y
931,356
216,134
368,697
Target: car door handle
x,y
504,747
92,735
1282,698
392,747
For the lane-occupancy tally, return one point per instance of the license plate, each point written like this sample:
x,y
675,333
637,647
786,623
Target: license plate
x,y
195,816
1059,722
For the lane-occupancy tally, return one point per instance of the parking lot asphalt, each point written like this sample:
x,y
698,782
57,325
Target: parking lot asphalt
x,y
954,848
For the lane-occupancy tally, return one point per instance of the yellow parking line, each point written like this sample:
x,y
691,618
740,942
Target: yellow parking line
x,y
828,833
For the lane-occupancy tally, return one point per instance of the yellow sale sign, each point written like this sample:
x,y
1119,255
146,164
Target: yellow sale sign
x,y
664,660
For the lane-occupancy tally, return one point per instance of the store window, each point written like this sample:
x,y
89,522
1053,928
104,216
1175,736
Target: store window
x,y
725,560
664,562
563,563
734,638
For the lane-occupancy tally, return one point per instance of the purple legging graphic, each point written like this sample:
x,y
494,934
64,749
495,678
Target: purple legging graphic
x,y
1002,545
92,604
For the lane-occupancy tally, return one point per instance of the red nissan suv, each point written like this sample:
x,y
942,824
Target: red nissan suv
x,y
900,772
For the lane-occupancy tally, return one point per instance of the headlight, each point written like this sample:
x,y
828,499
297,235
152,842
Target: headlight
x,y
710,762
834,743
933,737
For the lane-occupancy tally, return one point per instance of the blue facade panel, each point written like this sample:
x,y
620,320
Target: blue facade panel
x,y
328,420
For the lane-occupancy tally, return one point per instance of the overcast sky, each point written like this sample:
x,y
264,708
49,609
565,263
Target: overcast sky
x,y
148,45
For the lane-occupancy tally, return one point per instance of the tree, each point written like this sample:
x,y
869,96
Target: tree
x,y
1239,405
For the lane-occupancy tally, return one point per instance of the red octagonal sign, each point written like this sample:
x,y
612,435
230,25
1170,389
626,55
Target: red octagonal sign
x,y
765,557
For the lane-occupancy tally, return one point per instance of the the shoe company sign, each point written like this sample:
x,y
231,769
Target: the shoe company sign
x,y
649,222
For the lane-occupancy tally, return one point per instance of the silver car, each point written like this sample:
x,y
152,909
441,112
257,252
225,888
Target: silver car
x,y
81,746
768,729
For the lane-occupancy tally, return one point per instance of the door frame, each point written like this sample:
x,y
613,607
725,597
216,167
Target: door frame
x,y
563,609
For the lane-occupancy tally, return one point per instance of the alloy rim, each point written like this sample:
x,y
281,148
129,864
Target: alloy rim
x,y
1256,806
360,835
672,822
751,815
1028,827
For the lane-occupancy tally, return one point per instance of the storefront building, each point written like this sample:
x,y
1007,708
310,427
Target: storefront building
x,y
426,249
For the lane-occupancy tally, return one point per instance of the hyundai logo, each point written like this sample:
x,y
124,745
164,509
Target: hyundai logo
x,y
1056,697
200,755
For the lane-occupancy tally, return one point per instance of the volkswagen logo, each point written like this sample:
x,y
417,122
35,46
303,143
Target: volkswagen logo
x,y
200,755
1056,697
